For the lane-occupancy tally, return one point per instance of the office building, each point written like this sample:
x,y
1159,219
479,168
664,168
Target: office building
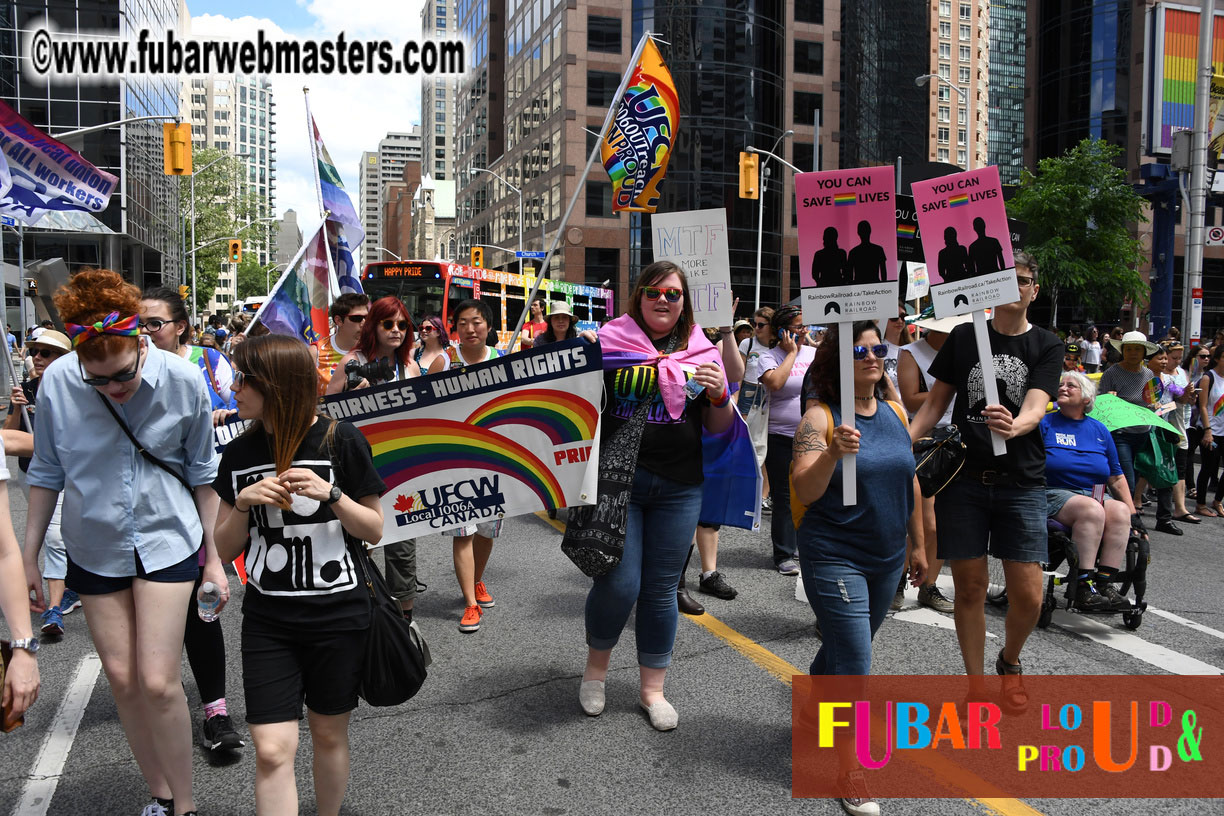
x,y
378,178
288,239
959,55
1005,117
438,20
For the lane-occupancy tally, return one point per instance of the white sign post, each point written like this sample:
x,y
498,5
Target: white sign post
x,y
696,241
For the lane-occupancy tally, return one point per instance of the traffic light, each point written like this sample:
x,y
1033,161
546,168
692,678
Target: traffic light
x,y
176,148
235,251
478,256
749,175
183,289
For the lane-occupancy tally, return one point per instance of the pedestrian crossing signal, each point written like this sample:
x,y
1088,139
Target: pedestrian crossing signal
x,y
235,251
749,175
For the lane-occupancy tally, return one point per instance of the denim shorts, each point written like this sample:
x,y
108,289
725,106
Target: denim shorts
x,y
970,515
488,529
1057,498
84,582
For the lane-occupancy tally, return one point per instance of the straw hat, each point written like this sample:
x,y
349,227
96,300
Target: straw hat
x,y
741,324
560,307
1135,338
943,325
50,339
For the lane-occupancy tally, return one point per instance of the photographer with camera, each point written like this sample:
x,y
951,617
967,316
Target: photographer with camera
x,y
383,354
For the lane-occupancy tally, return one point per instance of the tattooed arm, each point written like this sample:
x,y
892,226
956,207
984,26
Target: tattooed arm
x,y
813,462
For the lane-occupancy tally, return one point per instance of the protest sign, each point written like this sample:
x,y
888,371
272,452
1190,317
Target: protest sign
x,y
696,241
917,283
909,239
966,241
847,244
479,443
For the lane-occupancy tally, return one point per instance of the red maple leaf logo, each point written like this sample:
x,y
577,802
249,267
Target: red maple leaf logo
x,y
403,503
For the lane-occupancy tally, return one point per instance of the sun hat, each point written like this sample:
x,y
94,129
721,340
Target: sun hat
x,y
50,339
1135,338
943,325
741,324
560,307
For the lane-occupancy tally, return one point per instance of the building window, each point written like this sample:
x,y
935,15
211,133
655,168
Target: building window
x,y
961,157
220,130
960,116
599,199
944,93
964,53
945,51
960,136
966,11
945,29
945,113
962,74
601,88
440,93
440,129
945,8
439,117
604,34
809,57
806,105
964,33
809,13
942,154
942,135
945,70
198,99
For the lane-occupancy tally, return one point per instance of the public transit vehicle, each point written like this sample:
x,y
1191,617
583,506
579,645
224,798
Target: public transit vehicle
x,y
436,287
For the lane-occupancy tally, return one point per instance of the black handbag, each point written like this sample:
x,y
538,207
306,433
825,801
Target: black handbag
x,y
938,458
395,655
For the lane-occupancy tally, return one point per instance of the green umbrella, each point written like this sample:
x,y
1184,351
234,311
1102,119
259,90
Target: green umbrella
x,y
1116,413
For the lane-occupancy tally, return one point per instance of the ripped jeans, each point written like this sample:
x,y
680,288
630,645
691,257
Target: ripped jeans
x,y
850,605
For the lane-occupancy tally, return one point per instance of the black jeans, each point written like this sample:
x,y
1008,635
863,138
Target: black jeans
x,y
205,645
781,528
1211,465
1128,445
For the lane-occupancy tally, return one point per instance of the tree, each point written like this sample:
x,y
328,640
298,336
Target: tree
x,y
225,204
1080,211
252,278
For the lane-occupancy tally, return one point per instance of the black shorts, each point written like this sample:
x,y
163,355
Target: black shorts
x,y
282,667
84,582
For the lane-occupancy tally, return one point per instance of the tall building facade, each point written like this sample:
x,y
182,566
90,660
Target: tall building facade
x,y
139,234
1005,117
542,78
438,20
960,55
378,178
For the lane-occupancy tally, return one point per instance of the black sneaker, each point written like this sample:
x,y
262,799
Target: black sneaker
x,y
1117,601
717,586
1087,599
218,734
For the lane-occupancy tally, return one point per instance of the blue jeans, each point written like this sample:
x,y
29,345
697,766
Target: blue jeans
x,y
850,604
1128,445
662,520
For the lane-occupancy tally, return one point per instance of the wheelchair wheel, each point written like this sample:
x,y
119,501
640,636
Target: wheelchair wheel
x,y
1132,620
996,591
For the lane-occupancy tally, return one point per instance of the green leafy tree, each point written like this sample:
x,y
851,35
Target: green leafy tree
x,y
1080,211
225,204
253,278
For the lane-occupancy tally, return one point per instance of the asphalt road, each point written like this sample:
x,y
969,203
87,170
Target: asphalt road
x,y
497,728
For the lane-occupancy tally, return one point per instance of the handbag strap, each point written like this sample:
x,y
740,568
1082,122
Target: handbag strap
x,y
141,448
208,366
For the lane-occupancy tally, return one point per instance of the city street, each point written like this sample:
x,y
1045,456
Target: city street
x,y
497,728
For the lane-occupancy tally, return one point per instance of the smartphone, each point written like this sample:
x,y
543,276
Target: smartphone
x,y
693,389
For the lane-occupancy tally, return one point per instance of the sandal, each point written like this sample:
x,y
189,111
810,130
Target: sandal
x,y
1189,518
1218,507
1204,510
1015,699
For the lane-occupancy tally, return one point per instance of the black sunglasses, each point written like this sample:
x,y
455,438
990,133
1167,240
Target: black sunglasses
x,y
761,324
49,354
402,324
880,351
355,318
240,379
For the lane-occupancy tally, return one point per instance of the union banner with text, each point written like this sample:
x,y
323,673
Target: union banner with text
x,y
1133,736
484,442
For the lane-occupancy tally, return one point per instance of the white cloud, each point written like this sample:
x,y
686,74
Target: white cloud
x,y
353,112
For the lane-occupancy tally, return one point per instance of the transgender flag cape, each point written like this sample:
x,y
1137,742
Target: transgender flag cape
x,y
732,491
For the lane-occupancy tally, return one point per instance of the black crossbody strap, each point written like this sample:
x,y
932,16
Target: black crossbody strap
x,y
139,447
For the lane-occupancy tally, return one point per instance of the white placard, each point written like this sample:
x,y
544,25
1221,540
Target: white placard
x,y
696,241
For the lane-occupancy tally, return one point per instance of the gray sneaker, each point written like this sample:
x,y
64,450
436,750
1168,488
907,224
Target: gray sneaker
x,y
788,567
931,596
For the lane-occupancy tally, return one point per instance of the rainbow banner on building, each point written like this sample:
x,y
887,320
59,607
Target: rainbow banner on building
x,y
636,149
298,303
510,436
1173,58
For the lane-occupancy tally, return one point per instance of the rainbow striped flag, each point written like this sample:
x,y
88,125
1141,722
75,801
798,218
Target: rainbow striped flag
x,y
1218,408
299,301
958,200
907,231
844,199
344,230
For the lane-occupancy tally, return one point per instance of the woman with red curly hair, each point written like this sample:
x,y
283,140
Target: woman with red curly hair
x,y
385,334
124,431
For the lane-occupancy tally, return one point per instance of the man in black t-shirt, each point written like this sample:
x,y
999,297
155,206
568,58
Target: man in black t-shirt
x,y
996,499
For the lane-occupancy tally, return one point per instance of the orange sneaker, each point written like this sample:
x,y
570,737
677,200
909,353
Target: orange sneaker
x,y
471,619
482,595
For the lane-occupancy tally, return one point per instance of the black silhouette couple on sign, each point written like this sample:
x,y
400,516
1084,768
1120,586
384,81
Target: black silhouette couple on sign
x,y
984,255
866,263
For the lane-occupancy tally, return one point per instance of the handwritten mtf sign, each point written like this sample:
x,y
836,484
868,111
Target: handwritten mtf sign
x,y
696,241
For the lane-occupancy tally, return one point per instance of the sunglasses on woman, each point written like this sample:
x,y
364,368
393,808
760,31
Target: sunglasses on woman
x,y
240,379
880,351
654,293
46,354
762,324
390,324
428,330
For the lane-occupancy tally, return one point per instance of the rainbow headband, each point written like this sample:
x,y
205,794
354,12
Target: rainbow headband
x,y
111,324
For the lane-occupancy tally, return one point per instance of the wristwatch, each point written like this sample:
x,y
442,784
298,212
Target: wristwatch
x,y
335,495
29,644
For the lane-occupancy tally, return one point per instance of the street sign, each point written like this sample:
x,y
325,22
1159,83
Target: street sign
x,y
531,255
1215,236
8,221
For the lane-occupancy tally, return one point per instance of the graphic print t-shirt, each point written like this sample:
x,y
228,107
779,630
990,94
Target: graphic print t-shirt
x,y
301,573
1080,453
1022,362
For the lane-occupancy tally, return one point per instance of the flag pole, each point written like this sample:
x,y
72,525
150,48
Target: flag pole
x,y
603,132
314,155
290,267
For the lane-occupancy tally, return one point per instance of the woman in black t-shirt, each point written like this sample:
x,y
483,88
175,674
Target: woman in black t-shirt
x,y
303,488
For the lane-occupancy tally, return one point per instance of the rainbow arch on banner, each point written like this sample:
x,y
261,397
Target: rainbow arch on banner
x,y
564,418
405,449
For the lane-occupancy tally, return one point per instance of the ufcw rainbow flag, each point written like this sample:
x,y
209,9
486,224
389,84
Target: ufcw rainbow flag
x,y
298,305
344,230
636,149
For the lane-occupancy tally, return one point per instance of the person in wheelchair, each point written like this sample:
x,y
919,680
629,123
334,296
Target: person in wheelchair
x,y
1080,454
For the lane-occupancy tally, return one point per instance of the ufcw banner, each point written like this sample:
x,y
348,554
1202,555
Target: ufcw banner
x,y
475,444
636,149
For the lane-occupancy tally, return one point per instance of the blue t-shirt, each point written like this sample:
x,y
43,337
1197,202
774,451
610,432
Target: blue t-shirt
x,y
1080,453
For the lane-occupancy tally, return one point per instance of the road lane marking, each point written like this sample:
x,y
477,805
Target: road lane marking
x,y
542,516
1195,625
49,764
1120,640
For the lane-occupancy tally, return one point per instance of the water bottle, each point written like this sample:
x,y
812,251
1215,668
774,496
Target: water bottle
x,y
209,599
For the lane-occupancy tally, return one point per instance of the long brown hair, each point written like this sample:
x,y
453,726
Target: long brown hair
x,y
651,276
280,368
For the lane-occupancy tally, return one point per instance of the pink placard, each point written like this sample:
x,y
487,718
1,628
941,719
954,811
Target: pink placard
x,y
847,244
966,241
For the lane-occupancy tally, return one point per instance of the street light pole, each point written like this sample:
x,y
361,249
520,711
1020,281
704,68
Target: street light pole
x,y
964,104
479,170
389,252
761,209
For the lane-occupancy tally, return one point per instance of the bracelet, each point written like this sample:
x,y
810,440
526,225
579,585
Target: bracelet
x,y
723,400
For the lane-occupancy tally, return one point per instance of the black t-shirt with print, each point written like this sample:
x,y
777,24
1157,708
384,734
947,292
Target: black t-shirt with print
x,y
300,571
1022,362
671,448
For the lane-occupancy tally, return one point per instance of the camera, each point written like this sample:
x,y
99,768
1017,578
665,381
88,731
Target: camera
x,y
375,371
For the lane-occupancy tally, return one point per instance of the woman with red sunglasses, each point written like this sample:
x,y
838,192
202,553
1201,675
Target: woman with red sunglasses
x,y
434,342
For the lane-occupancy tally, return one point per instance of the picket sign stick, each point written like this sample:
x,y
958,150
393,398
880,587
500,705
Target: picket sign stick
x,y
845,342
988,374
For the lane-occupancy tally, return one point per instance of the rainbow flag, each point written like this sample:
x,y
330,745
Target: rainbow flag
x,y
844,199
907,231
1153,389
636,148
958,200
1218,408
299,301
344,230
